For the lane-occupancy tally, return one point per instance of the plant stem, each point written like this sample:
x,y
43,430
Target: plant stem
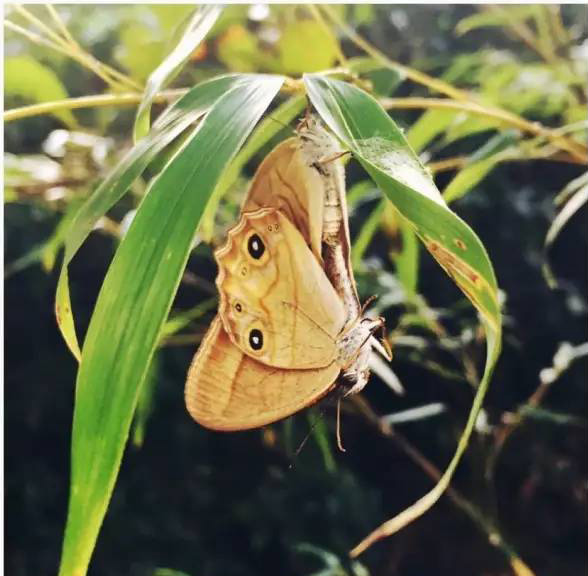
x,y
503,116
67,45
94,101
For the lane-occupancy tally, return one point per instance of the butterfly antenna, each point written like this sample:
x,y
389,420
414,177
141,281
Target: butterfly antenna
x,y
339,442
371,299
301,446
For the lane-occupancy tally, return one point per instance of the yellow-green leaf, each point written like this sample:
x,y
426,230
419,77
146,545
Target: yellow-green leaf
x,y
134,302
305,46
26,78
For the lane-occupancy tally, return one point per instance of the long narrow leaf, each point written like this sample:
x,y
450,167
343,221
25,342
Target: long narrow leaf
x,y
134,302
198,27
575,202
375,140
169,125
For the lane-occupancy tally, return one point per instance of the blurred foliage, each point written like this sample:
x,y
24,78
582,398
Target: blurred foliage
x,y
506,142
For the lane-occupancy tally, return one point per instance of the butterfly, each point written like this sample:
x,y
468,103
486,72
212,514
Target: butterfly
x,y
289,328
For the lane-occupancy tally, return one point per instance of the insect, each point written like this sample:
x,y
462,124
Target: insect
x,y
289,328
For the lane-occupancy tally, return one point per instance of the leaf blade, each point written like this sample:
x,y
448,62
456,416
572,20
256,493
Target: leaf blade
x,y
364,127
176,119
144,276
199,26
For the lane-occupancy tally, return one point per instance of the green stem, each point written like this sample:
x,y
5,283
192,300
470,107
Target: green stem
x,y
94,101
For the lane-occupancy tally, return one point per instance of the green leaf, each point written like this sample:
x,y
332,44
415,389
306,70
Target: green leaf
x,y
197,29
237,48
366,234
501,19
134,302
320,433
169,572
384,79
358,192
407,260
467,125
169,125
575,201
545,415
379,145
145,403
183,319
306,47
468,177
428,126
26,78
480,164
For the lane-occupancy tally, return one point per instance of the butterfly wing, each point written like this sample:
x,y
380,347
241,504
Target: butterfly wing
x,y
286,181
276,302
227,390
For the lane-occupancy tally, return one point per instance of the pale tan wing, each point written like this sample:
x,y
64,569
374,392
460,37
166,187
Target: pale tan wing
x,y
284,180
276,302
226,390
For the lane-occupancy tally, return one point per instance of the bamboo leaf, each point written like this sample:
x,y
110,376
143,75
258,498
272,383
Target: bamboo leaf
x,y
407,261
19,72
430,124
175,120
468,177
573,203
198,27
372,136
133,304
366,234
481,163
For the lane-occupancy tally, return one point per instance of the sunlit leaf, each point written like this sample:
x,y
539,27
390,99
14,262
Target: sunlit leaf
x,y
430,124
169,125
468,177
133,304
306,47
26,78
196,30
480,164
489,18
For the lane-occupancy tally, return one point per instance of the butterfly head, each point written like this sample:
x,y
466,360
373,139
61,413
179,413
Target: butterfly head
x,y
355,349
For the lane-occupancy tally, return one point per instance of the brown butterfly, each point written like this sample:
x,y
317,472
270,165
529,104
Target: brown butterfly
x,y
289,328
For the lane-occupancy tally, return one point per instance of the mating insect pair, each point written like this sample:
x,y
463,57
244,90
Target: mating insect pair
x,y
289,328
